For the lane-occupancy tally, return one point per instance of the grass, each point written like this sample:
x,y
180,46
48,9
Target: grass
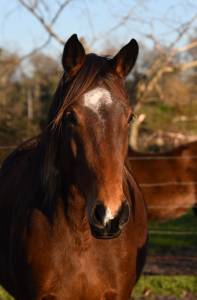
x,y
173,242
165,286
4,295
187,222
151,286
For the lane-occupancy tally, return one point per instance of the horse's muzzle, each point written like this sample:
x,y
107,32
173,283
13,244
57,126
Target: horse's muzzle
x,y
112,228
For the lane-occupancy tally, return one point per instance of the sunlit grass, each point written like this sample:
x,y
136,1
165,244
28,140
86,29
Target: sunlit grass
x,y
185,226
165,286
4,295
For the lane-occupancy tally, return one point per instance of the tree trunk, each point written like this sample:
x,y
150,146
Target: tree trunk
x,y
134,132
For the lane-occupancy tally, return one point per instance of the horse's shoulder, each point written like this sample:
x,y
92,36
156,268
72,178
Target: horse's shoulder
x,y
193,147
20,154
188,149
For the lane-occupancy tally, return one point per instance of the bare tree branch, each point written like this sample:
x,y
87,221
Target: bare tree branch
x,y
183,30
42,21
59,11
89,19
188,65
185,47
165,64
37,49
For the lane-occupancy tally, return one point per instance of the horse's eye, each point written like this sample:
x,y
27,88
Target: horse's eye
x,y
131,118
71,118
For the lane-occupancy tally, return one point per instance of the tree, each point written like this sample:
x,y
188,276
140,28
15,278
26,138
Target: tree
x,y
45,75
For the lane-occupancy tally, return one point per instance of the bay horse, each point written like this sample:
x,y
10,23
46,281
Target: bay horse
x,y
73,219
168,180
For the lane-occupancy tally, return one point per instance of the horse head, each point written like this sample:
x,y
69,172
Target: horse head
x,y
89,122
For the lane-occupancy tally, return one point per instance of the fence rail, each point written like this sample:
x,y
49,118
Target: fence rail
x,y
168,183
163,157
136,158
167,232
8,147
171,232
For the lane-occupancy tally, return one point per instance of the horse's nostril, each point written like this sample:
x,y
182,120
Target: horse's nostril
x,y
124,213
105,223
99,213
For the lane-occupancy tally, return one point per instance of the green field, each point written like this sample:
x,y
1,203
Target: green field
x,y
174,236
152,286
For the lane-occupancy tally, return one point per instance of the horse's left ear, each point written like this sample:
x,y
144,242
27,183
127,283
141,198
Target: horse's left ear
x,y
73,56
125,59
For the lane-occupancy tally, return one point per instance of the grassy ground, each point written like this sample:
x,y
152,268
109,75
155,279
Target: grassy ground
x,y
170,238
174,236
4,295
151,286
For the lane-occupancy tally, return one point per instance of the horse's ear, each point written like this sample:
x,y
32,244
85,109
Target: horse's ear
x,y
125,59
73,56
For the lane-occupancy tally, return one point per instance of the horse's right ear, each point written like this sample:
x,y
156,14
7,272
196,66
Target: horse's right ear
x,y
73,56
125,59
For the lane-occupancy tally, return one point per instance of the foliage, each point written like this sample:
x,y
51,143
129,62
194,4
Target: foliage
x,y
25,95
26,91
168,117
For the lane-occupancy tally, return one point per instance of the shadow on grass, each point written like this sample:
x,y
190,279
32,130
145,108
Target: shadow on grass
x,y
174,237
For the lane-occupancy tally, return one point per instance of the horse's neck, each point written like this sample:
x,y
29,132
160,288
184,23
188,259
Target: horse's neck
x,y
75,209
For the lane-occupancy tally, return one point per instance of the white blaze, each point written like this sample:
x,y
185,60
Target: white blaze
x,y
108,216
95,98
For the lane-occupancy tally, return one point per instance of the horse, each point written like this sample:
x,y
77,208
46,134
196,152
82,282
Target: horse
x,y
168,180
73,219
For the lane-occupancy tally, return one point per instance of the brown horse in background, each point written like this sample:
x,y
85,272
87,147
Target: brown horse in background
x,y
168,180
73,219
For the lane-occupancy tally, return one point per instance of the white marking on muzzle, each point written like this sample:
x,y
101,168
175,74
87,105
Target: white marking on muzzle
x,y
95,98
108,216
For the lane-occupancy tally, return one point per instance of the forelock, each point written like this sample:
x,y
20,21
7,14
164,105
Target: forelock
x,y
95,69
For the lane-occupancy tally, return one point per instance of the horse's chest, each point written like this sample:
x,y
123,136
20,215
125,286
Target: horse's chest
x,y
67,267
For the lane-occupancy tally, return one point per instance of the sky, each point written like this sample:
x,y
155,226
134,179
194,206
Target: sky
x,y
94,20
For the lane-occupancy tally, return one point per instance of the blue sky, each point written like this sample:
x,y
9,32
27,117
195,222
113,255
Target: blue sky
x,y
20,32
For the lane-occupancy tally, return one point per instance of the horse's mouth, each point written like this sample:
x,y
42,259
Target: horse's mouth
x,y
103,233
